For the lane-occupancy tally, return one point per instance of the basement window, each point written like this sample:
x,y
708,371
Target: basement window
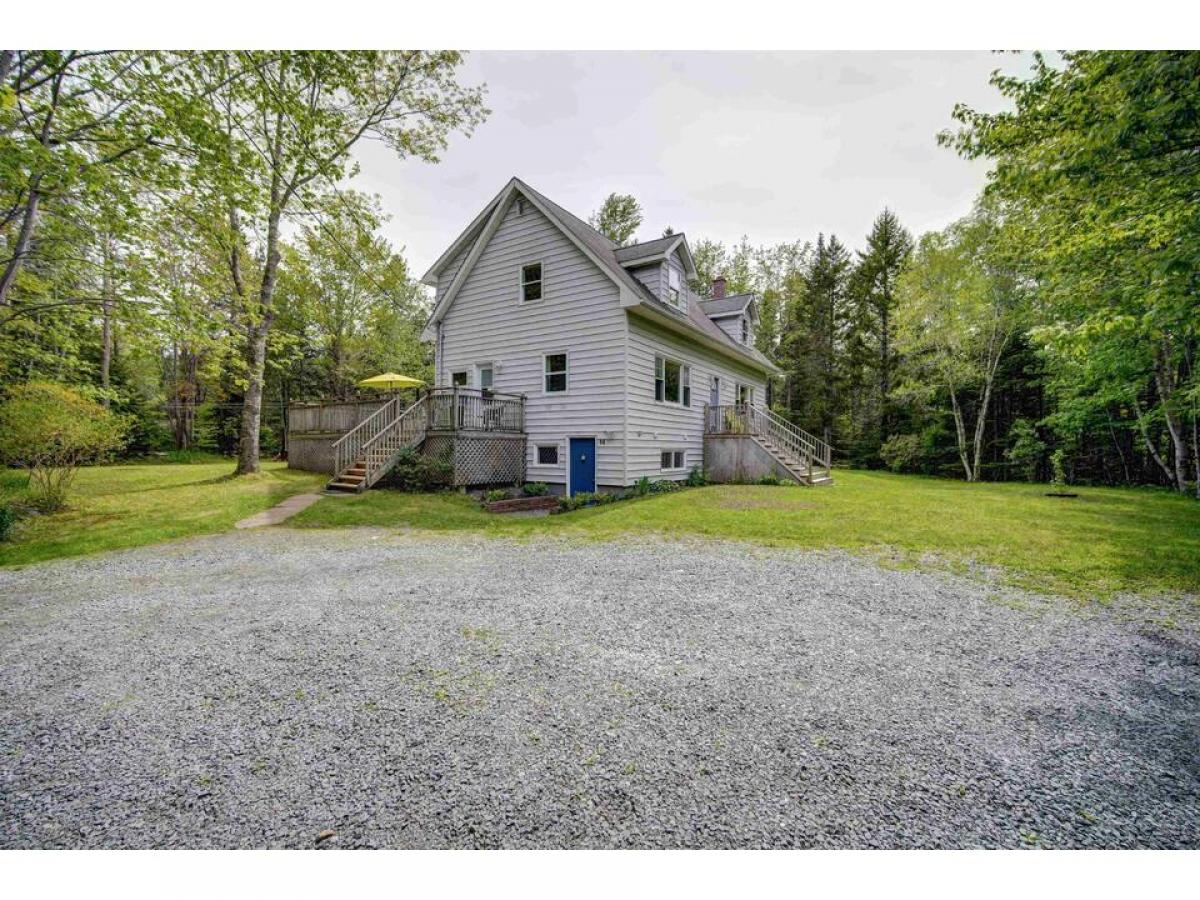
x,y
531,282
671,460
547,454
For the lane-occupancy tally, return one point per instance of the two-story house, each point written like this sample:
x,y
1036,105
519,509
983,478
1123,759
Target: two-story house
x,y
614,359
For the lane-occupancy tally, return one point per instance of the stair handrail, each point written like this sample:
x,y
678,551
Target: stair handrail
x,y
406,430
809,446
347,448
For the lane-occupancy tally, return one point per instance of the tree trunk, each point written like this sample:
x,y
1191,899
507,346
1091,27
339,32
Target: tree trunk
x,y
1166,389
1137,409
961,432
981,424
106,305
248,435
21,248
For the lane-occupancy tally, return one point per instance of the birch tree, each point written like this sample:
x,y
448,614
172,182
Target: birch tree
x,y
277,135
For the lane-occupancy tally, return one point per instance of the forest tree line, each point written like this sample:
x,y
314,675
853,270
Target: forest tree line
x,y
1051,333
177,241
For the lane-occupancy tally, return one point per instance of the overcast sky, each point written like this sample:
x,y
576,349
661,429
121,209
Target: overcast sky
x,y
774,146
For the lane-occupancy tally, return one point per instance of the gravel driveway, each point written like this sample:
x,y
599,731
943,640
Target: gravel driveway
x,y
265,688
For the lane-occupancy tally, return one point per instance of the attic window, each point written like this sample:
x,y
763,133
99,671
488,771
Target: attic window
x,y
531,282
745,330
673,285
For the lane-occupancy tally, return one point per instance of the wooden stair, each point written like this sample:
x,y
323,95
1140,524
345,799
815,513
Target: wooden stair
x,y
352,481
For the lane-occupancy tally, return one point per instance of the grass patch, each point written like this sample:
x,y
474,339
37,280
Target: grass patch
x,y
130,504
1106,540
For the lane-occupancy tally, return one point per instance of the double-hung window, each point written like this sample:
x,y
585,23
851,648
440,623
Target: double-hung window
x,y
674,287
745,393
531,282
745,330
554,379
672,381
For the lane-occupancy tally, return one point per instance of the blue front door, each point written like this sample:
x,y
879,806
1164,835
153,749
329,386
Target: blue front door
x,y
583,465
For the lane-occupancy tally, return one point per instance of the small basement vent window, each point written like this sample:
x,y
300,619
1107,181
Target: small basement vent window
x,y
671,459
547,454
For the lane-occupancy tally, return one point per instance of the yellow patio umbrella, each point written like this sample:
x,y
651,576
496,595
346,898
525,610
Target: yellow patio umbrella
x,y
390,381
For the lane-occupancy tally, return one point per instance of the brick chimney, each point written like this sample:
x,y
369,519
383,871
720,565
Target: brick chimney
x,y
718,290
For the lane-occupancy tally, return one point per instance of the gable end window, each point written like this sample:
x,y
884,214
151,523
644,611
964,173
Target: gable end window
x,y
547,454
745,331
555,377
673,286
672,381
531,282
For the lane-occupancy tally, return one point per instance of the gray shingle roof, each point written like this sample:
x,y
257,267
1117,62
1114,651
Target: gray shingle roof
x,y
733,303
647,248
607,253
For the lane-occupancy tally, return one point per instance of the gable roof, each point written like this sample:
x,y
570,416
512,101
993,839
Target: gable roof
x,y
658,249
726,306
634,295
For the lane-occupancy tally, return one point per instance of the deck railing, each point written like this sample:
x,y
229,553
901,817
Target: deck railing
x,y
746,418
377,439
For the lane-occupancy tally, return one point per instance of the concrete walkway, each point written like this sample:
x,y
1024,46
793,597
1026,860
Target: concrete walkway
x,y
280,513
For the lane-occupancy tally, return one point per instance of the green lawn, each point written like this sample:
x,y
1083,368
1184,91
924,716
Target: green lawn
x,y
1103,541
119,506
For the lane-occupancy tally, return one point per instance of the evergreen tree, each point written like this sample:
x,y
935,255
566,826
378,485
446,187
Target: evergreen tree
x,y
817,320
889,247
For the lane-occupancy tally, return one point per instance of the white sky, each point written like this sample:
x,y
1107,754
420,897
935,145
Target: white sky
x,y
773,146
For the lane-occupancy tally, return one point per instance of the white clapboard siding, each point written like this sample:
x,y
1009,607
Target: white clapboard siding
x,y
652,426
579,314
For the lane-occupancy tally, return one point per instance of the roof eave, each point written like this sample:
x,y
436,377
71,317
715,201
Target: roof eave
x,y
687,329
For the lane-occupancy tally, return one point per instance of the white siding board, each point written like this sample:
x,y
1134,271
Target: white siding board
x,y
652,426
579,314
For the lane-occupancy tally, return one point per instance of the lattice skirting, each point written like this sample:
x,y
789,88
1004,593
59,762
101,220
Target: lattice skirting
x,y
480,458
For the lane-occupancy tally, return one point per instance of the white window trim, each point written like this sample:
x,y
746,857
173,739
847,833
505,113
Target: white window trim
x,y
537,461
521,301
674,274
567,372
737,392
683,367
478,375
682,467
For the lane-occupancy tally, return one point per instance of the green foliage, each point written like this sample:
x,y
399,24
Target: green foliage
x,y
770,480
696,477
618,217
495,495
51,431
414,471
642,486
1058,467
8,520
1027,449
1094,159
902,453
536,489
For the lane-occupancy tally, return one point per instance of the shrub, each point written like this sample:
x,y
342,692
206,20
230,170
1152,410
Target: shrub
x,y
696,477
664,487
771,480
1057,464
416,472
1027,449
8,520
643,486
495,496
901,452
52,430
536,489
